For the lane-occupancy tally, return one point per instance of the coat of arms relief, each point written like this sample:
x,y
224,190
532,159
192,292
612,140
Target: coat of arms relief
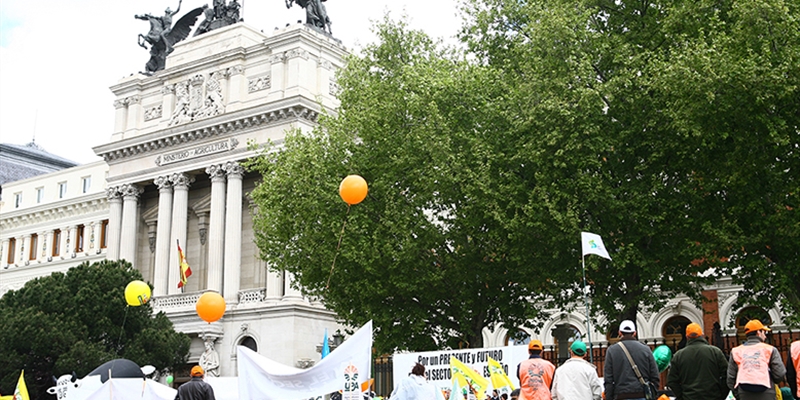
x,y
199,97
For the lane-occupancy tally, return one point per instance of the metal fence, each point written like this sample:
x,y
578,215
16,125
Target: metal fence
x,y
382,366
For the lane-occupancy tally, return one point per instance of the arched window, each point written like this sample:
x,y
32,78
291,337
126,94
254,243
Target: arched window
x,y
517,337
674,332
748,313
249,342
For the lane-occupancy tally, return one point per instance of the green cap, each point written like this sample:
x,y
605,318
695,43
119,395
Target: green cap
x,y
578,347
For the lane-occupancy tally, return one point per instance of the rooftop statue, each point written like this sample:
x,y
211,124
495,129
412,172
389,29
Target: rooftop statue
x,y
316,15
163,35
220,15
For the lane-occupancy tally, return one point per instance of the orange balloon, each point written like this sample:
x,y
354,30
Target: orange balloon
x,y
353,189
210,306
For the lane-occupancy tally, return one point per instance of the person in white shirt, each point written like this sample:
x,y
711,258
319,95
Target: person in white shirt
x,y
416,387
577,379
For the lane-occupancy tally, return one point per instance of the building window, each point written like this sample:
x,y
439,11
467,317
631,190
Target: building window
x,y
86,183
39,195
56,242
104,234
34,246
12,247
745,315
249,342
17,199
62,190
674,332
517,337
79,239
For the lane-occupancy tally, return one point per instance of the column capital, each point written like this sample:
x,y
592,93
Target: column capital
x,y
181,180
216,172
163,182
234,170
113,193
131,190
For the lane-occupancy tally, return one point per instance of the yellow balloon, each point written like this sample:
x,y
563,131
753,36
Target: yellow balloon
x,y
137,293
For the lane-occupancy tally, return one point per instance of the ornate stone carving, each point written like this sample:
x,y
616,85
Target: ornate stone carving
x,y
234,169
120,103
181,180
333,88
133,100
216,172
131,190
235,70
200,97
163,182
167,89
298,52
113,193
209,360
259,83
152,113
277,58
305,363
324,64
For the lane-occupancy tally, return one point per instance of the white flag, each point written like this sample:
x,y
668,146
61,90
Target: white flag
x,y
593,244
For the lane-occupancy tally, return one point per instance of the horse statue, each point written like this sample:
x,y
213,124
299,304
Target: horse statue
x,y
163,35
316,14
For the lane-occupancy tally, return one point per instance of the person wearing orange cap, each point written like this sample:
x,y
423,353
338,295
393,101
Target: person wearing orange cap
x,y
197,388
535,374
698,371
755,366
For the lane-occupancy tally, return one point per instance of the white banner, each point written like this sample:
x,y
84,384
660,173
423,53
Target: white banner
x,y
437,363
262,378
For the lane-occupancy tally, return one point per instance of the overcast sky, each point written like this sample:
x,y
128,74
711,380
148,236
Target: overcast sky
x,y
59,57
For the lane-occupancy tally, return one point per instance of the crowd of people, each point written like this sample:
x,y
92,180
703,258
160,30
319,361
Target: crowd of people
x,y
699,371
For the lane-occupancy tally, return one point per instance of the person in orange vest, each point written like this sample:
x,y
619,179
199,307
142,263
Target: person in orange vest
x,y
755,366
792,367
535,374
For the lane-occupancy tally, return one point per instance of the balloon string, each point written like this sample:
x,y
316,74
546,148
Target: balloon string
x,y
341,235
122,330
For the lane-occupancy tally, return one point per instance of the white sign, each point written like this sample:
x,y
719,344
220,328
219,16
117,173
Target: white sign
x,y
437,363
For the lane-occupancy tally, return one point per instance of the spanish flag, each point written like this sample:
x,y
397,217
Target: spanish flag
x,y
21,392
473,378
185,270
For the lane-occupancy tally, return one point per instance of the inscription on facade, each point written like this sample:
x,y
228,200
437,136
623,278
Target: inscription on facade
x,y
199,151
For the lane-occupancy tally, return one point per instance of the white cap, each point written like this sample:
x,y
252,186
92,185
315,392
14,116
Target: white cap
x,y
627,326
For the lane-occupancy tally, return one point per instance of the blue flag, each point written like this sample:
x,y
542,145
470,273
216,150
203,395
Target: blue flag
x,y
325,348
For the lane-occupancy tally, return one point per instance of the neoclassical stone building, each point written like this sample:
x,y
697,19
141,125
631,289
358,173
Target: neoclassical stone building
x,y
172,173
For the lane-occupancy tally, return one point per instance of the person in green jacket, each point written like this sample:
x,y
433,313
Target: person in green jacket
x,y
698,371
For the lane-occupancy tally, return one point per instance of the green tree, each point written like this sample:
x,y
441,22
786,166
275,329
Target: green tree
x,y
75,321
667,127
425,256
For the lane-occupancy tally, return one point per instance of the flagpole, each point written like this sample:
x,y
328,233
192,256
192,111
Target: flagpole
x,y
588,311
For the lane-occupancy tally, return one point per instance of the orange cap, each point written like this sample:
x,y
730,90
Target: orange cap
x,y
535,345
754,325
694,330
197,371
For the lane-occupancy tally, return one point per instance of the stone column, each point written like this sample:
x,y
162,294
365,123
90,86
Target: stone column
x,y
216,229
46,239
291,294
168,102
130,222
88,235
235,86
18,256
180,204
163,232
121,115
134,112
114,224
26,248
97,234
4,252
72,236
65,242
274,286
233,232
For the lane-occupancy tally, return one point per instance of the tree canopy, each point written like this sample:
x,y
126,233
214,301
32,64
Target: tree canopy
x,y
669,128
75,321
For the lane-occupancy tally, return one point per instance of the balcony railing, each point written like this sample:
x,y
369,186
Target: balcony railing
x,y
174,302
